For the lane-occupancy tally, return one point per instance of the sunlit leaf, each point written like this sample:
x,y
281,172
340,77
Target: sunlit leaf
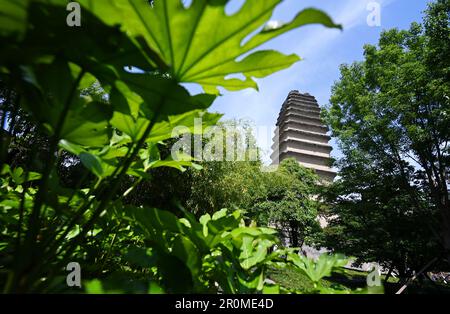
x,y
92,162
202,43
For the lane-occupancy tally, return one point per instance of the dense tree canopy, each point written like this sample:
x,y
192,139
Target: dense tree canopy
x,y
391,114
289,202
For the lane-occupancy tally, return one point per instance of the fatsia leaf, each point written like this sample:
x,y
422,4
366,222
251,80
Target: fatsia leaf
x,y
316,270
88,124
190,122
163,95
13,15
92,162
140,256
147,97
94,48
52,97
257,256
203,44
204,221
155,220
186,251
219,214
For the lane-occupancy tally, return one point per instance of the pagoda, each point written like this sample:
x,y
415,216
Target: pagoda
x,y
301,134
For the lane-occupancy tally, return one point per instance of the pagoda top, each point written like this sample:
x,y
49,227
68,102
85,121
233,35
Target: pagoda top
x,y
296,92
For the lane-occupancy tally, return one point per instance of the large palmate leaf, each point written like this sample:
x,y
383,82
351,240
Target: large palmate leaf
x,y
145,95
12,17
316,270
38,27
53,99
193,122
201,43
88,124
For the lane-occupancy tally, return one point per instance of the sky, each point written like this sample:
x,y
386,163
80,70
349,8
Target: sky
x,y
322,51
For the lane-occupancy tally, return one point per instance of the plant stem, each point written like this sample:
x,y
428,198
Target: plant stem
x,y
30,246
106,196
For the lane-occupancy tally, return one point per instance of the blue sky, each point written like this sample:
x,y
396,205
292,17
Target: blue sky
x,y
322,50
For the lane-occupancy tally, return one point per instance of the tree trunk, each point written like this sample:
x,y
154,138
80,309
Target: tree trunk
x,y
294,233
388,275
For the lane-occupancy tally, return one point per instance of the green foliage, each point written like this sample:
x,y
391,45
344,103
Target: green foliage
x,y
227,182
292,278
284,198
341,281
217,254
218,251
317,270
106,97
288,202
374,218
390,113
195,51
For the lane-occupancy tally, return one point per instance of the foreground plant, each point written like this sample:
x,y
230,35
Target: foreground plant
x,y
218,253
138,55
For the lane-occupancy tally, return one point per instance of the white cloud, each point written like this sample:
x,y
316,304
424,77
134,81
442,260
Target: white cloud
x,y
350,14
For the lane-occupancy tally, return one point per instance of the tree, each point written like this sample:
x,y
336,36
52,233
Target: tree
x,y
234,179
391,114
217,183
373,218
289,202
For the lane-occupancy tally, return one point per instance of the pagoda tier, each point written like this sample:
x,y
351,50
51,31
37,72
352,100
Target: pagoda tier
x,y
302,135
